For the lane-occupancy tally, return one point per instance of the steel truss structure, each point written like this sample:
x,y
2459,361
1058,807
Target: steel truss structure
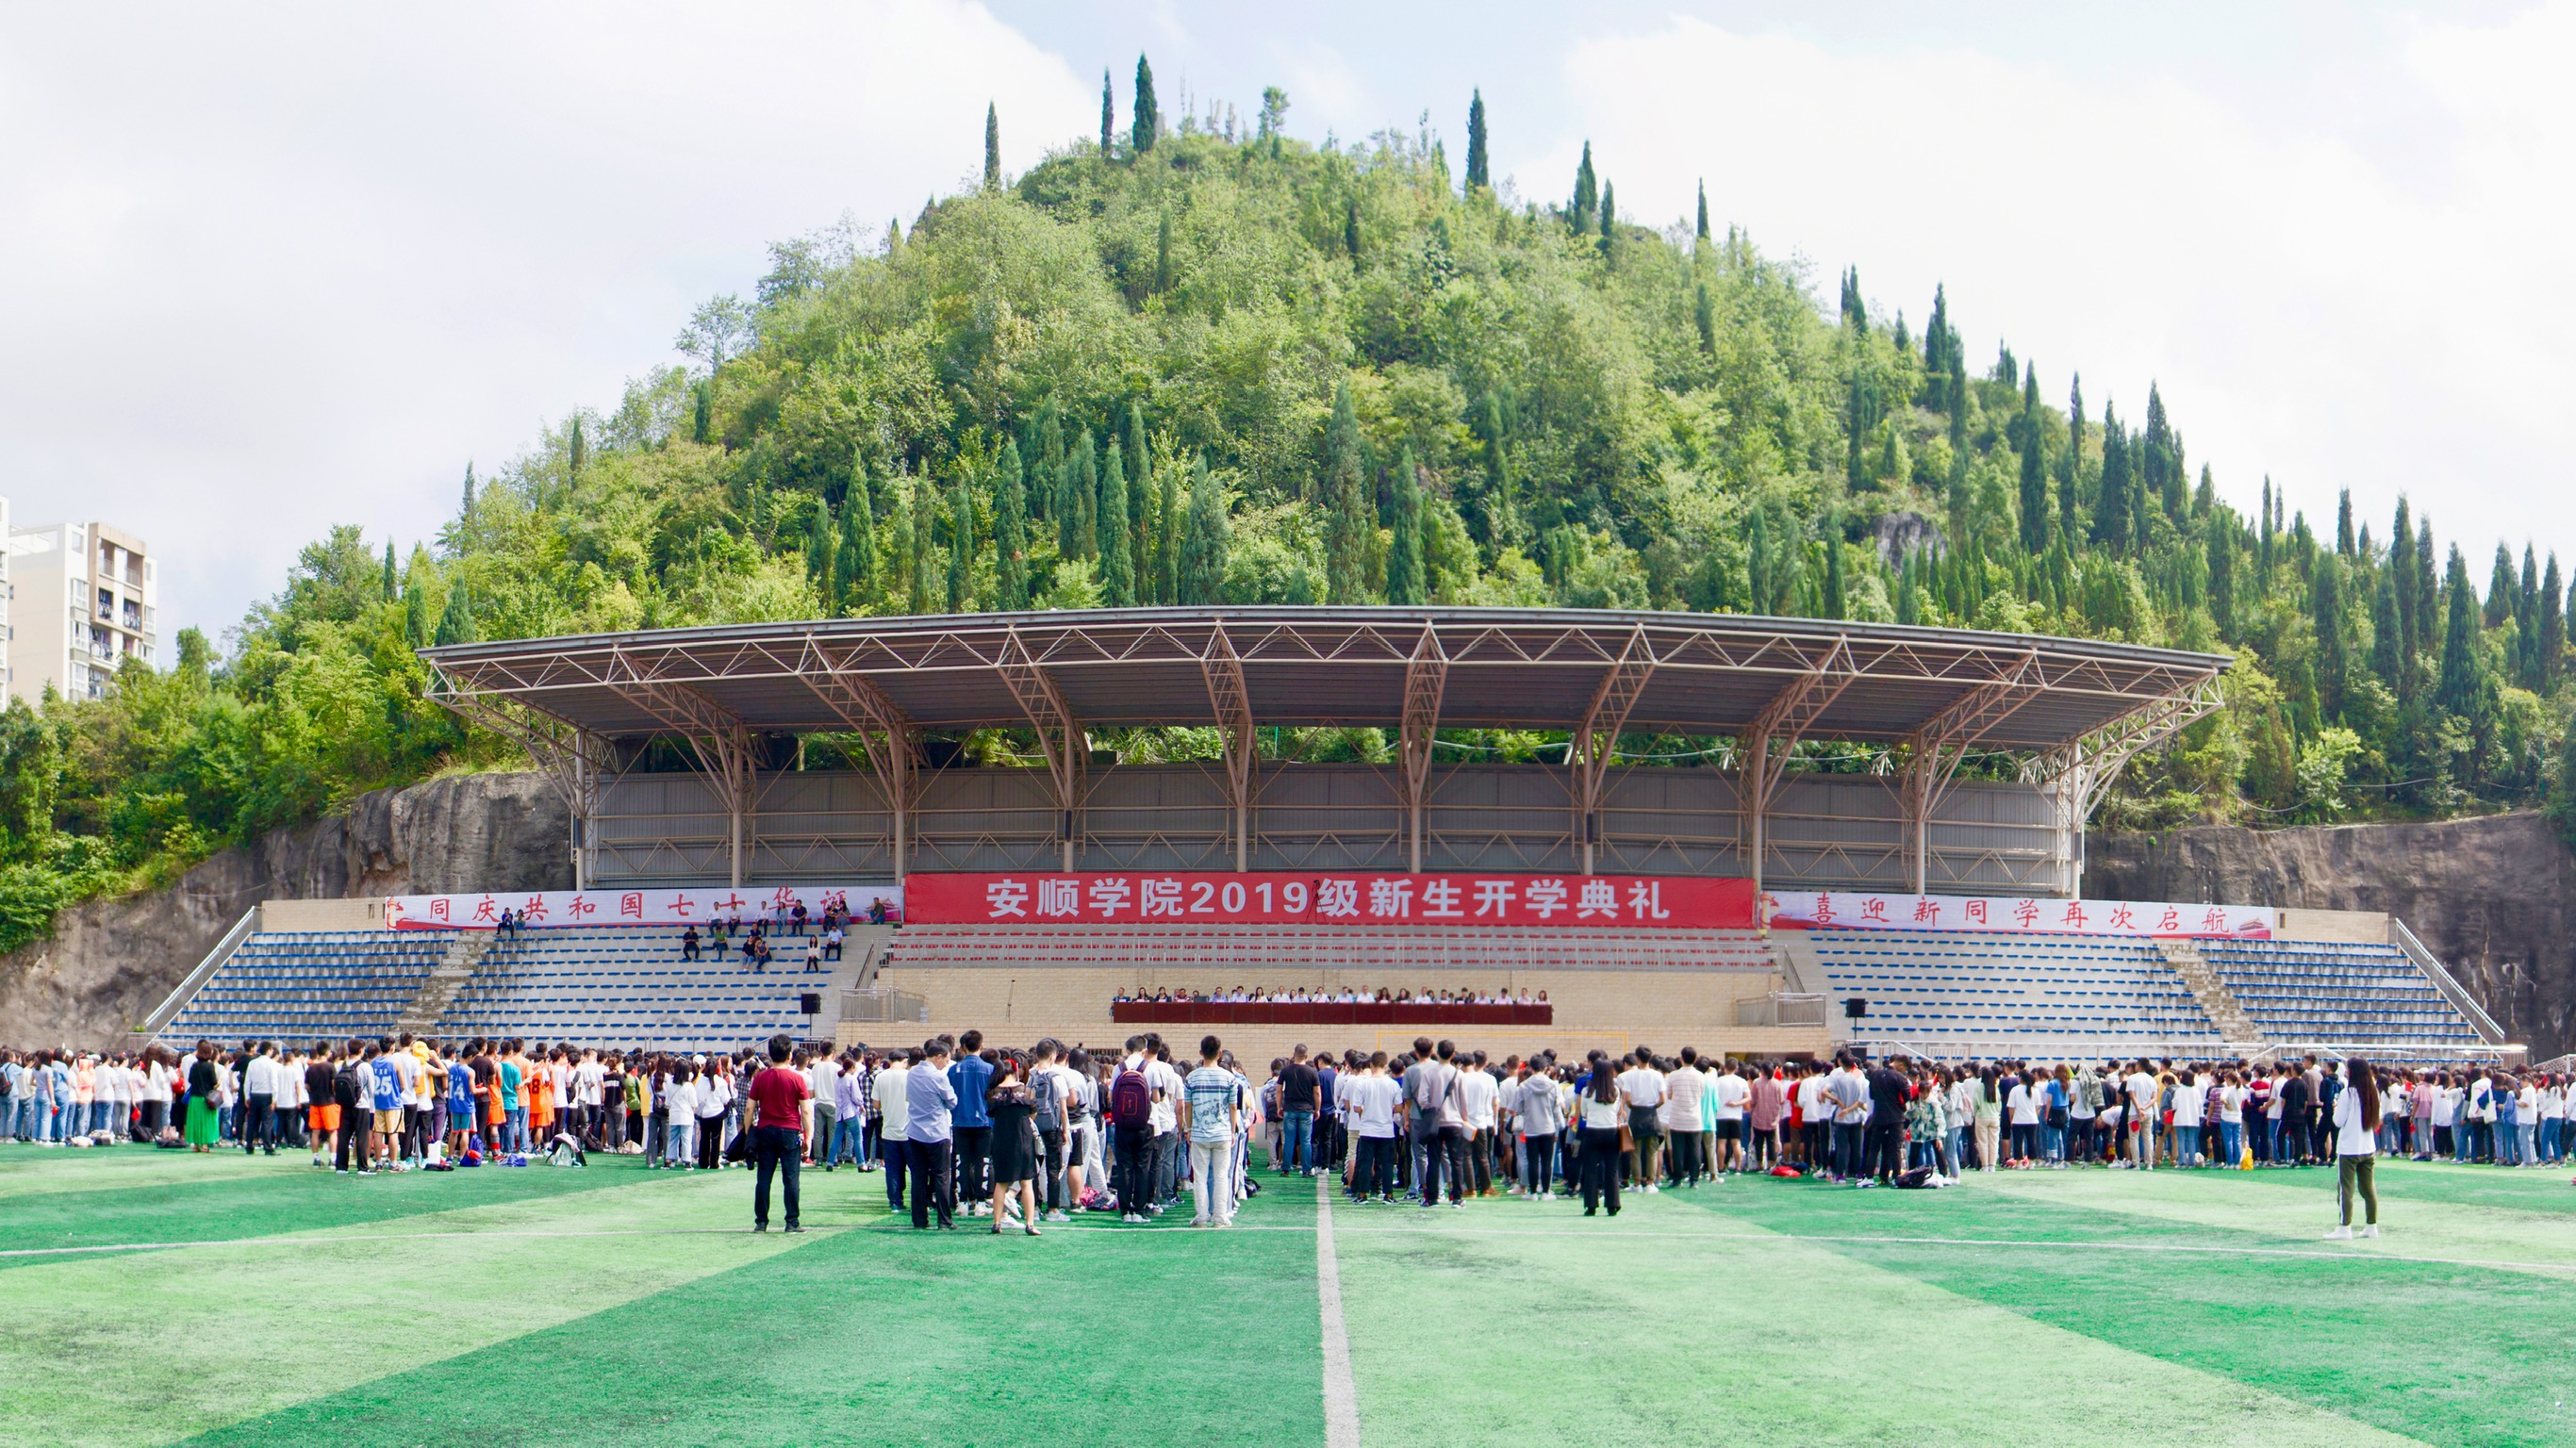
x,y
2075,711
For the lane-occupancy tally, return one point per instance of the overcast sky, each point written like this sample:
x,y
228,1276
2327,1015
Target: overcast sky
x,y
264,269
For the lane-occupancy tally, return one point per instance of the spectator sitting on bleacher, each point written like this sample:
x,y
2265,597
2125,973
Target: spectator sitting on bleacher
x,y
813,954
689,944
832,941
798,917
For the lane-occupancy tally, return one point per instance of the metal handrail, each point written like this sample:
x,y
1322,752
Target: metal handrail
x,y
162,1014
2448,985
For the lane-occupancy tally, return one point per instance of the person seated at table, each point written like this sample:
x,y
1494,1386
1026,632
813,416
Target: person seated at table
x,y
1542,998
1524,1000
1121,998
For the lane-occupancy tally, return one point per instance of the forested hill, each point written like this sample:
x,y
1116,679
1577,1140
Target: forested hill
x,y
1194,359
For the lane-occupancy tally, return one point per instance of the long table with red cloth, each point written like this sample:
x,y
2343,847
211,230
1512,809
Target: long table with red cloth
x,y
1331,1013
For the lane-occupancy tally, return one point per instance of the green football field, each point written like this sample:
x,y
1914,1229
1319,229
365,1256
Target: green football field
x,y
155,1298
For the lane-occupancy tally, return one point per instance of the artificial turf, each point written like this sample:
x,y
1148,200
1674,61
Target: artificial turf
x,y
620,1306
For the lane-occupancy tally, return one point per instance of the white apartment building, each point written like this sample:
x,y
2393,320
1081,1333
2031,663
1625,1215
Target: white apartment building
x,y
85,597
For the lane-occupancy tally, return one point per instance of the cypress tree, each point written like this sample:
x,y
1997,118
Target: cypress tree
x,y
2526,614
1047,491
2343,522
2401,567
1587,194
1909,600
466,510
2552,630
576,450
702,411
416,616
1704,312
1351,228
1163,254
1140,489
1406,578
1167,555
1757,561
1108,114
2070,508
1609,216
2034,477
1346,530
1203,552
456,621
855,571
919,596
2427,592
1149,116
2111,510
961,546
2222,575
2388,636
1083,494
2326,601
992,148
1834,602
1477,162
1117,565
1702,234
392,585
2499,601
1937,342
1010,535
2458,691
820,546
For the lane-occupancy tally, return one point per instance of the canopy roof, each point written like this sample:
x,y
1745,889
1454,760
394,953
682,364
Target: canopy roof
x,y
1544,669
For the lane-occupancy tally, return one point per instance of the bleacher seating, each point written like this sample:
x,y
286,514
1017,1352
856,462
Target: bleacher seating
x,y
1286,955
2057,992
307,986
610,986
2338,993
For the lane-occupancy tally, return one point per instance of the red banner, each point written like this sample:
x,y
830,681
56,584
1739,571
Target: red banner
x,y
1184,897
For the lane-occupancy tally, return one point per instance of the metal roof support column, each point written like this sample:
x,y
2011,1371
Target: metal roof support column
x,y
1426,677
2076,775
893,744
1941,744
715,734
1061,738
1232,701
1596,739
1775,732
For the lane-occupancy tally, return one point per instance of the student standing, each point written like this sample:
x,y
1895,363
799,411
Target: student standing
x,y
1601,1111
2356,1134
1212,1113
969,1077
782,1118
929,1100
890,1089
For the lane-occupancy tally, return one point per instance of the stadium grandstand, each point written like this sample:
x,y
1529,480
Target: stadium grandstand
x,y
956,763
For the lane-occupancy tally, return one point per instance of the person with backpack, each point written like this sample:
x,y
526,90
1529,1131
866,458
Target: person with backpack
x,y
1439,1126
1131,1117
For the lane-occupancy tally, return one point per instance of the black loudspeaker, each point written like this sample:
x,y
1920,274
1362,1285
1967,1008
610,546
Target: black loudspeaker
x,y
810,1003
1854,1008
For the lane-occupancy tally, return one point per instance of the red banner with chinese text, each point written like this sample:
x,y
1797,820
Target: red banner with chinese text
x,y
1183,897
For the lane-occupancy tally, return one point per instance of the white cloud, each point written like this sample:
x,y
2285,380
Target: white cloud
x,y
265,269
2322,295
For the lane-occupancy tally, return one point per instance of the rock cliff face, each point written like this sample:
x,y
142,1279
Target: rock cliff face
x,y
111,961
2494,898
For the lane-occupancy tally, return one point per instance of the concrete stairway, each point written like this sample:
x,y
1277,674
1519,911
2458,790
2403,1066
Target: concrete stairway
x,y
464,955
2216,1001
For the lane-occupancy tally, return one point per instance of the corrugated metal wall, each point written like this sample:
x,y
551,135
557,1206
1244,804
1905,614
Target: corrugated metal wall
x,y
1826,830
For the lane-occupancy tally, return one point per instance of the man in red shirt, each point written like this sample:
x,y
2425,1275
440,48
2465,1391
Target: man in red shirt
x,y
782,1107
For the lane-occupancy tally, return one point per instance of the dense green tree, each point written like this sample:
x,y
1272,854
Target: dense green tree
x,y
1171,526
2551,626
1149,116
961,547
1010,534
1587,194
1407,580
1117,564
920,546
1347,529
854,567
2460,687
1108,114
456,621
1203,553
2326,605
1479,176
992,148
2499,600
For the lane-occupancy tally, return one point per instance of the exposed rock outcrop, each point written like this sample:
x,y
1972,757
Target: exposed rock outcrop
x,y
111,961
2495,898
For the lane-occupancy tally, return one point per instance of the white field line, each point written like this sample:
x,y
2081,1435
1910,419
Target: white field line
x,y
1341,1399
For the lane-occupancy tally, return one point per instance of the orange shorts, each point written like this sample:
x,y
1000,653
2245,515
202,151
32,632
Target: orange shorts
x,y
322,1118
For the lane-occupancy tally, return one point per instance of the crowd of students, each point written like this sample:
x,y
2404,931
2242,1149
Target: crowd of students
x,y
1024,1136
1324,995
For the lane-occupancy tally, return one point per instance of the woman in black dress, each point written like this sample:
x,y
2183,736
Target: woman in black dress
x,y
1014,1108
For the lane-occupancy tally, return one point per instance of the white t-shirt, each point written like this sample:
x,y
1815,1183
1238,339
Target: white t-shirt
x,y
1164,1077
891,1090
1642,1085
2231,1105
2142,1093
1476,1094
1731,1095
1371,1100
2019,1104
2352,1138
1681,1109
2188,1101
